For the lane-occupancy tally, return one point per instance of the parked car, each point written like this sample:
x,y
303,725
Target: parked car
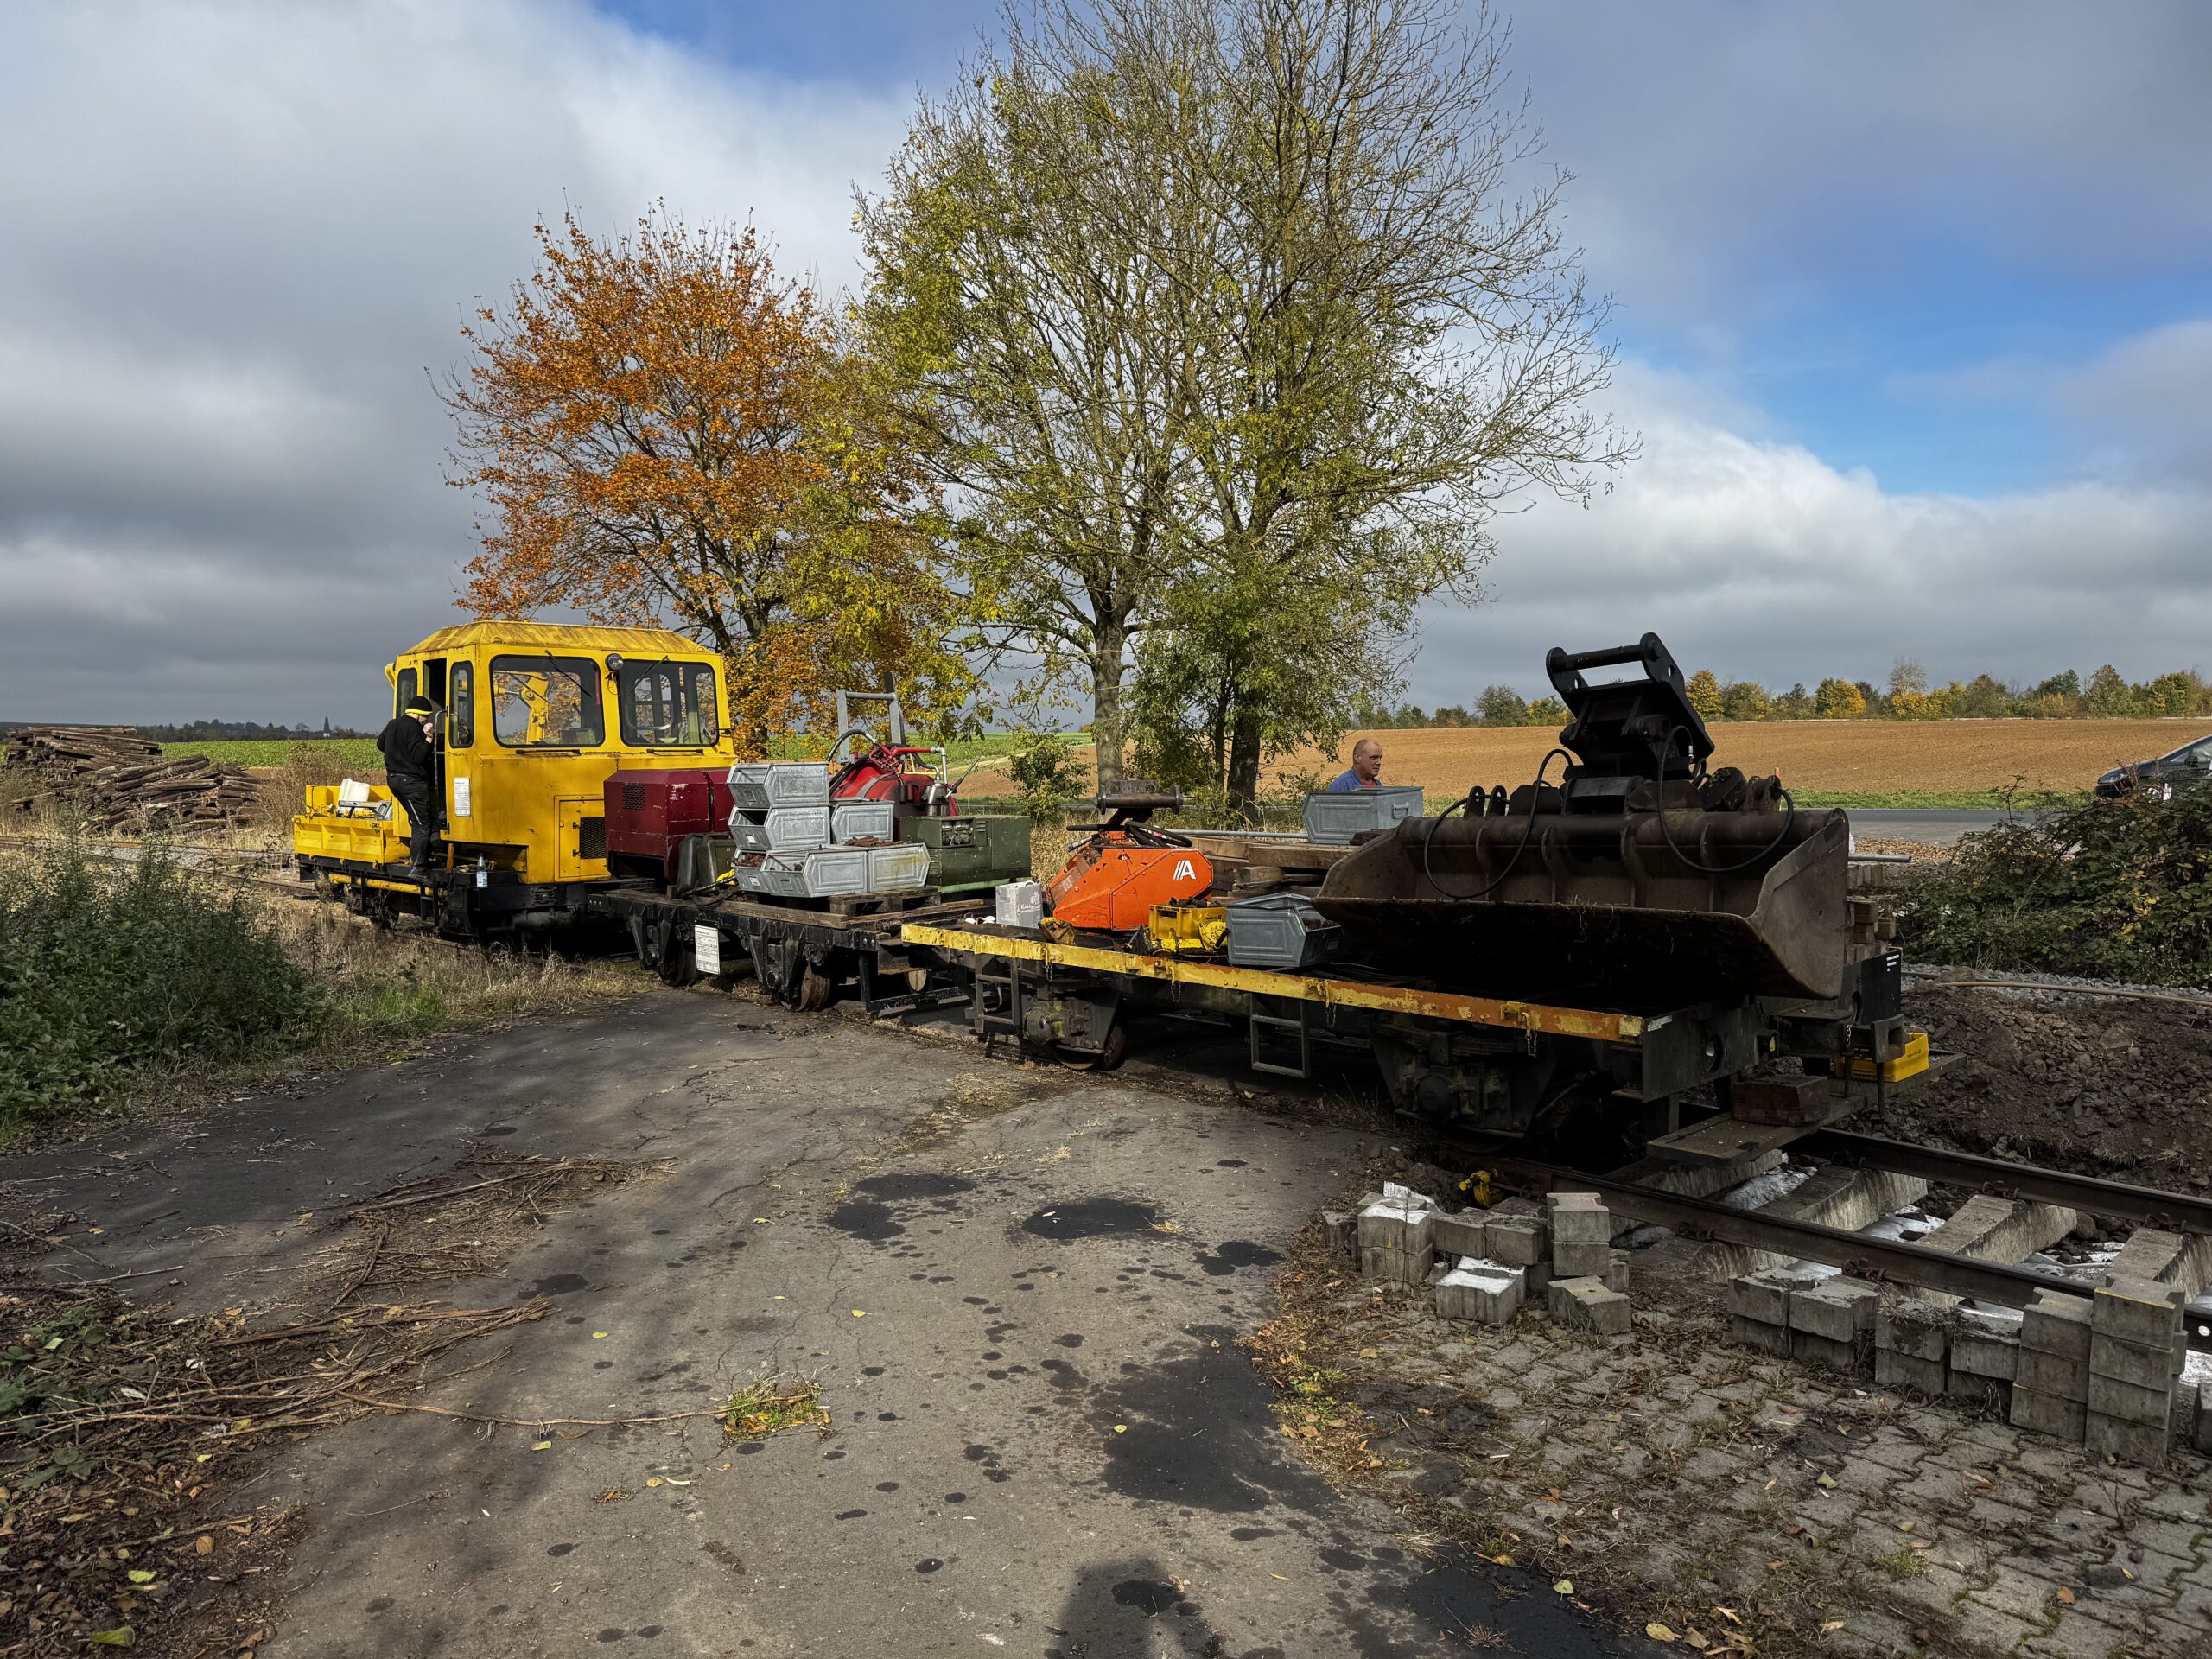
x,y
2190,760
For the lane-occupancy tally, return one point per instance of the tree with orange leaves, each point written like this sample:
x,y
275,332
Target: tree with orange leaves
x,y
667,433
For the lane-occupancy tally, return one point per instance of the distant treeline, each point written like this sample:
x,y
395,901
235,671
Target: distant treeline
x,y
2105,695
219,731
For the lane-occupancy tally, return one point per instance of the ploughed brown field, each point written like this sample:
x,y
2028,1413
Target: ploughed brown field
x,y
1832,755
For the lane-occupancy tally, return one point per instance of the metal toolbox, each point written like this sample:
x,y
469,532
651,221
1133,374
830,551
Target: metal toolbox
x,y
861,821
780,828
748,874
896,868
757,785
1279,930
1333,816
826,873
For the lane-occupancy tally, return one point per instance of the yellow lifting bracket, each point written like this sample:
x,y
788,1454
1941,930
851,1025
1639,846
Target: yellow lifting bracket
x,y
1531,1018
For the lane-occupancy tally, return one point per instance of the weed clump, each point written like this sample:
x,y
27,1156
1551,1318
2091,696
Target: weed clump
x,y
2111,890
107,971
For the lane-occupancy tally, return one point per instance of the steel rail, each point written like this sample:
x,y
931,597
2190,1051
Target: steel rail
x,y
2143,1205
1855,1253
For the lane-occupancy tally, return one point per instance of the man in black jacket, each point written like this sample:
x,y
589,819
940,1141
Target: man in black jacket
x,y
411,771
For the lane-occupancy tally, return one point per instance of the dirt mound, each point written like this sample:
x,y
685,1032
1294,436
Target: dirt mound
x,y
2101,1085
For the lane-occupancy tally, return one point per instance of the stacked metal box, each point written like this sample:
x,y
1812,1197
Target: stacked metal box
x,y
796,842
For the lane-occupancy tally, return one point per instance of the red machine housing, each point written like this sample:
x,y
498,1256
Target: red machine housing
x,y
650,812
881,774
1115,878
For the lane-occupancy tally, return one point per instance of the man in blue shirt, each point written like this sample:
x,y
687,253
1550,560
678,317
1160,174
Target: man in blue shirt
x,y
1366,766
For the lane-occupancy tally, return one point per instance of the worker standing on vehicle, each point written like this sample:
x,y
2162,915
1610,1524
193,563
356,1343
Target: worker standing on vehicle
x,y
411,770
1366,771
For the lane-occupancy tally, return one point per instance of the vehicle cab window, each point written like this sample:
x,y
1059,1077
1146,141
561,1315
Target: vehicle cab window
x,y
668,705
546,703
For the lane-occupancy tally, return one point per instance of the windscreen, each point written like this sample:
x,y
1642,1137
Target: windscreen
x,y
668,705
546,703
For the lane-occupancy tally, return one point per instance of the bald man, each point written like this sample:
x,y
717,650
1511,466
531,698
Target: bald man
x,y
1366,766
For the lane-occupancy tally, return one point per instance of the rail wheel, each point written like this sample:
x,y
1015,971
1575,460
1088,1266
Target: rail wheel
x,y
1106,1059
815,990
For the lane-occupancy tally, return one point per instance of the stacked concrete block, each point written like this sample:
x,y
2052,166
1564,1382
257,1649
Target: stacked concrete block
x,y
1582,1234
1341,1229
1465,1233
1516,1233
1397,1237
2136,1349
1759,1307
2050,1380
1985,1358
1584,1304
1912,1341
1489,1293
1832,1324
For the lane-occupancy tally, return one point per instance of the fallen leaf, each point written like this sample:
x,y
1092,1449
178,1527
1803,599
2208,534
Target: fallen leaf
x,y
1279,1576
542,1445
140,1575
673,1481
1831,1624
860,1313
1121,1429
1564,1587
2066,1595
599,1336
1828,1480
205,1547
1658,1632
1697,1640
1907,1526
122,1636
652,1480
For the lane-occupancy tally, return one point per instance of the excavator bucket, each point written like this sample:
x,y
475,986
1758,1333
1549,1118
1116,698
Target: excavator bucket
x,y
1637,910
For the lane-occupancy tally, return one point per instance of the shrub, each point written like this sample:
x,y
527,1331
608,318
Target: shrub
x,y
105,971
2113,889
1045,773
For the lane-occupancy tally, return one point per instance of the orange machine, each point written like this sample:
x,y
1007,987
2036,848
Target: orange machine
x,y
1111,882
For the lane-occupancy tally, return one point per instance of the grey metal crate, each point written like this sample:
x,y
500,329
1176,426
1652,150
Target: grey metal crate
x,y
1278,930
825,873
897,868
757,785
861,821
780,828
1334,816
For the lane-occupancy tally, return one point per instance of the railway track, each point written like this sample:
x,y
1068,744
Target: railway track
x,y
1639,1192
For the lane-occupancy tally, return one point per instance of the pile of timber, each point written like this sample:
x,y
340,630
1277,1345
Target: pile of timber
x,y
122,781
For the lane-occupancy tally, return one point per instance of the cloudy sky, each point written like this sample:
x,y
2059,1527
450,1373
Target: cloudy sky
x,y
1914,306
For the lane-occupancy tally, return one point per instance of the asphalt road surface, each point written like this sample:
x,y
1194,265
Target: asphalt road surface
x,y
1938,827
1021,1289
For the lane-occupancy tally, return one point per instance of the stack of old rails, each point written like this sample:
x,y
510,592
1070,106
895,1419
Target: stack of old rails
x,y
121,782
793,842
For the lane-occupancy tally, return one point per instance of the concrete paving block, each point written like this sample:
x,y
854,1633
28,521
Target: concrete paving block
x,y
2145,1364
1765,1296
1914,1330
1579,1218
1341,1229
1517,1240
1397,1267
1987,1393
2137,1310
2130,1441
2053,1374
2131,1402
1481,1291
1772,1338
1397,1224
1466,1234
2058,1323
1987,1345
1809,1348
1839,1310
1585,1304
1616,1272
1580,1259
2056,1416
1893,1370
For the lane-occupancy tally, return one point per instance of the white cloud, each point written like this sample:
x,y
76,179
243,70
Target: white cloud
x,y
1759,560
237,237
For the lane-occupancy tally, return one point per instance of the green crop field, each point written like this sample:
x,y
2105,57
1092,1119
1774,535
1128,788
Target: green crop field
x,y
359,753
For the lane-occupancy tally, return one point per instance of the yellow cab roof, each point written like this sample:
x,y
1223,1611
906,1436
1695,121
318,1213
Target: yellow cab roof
x,y
562,637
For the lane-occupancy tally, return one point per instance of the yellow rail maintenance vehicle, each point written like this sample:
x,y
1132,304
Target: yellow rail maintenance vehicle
x,y
533,721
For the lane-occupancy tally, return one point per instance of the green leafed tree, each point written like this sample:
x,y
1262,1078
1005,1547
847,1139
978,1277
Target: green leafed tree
x,y
1704,694
1501,705
1839,700
1230,325
1745,699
